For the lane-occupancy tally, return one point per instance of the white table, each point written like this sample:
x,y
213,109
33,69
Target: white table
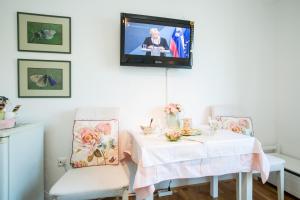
x,y
198,156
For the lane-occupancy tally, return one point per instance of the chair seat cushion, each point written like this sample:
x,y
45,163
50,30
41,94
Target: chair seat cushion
x,y
276,163
91,182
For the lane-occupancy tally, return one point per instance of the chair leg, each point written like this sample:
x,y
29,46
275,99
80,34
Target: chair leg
x,y
214,186
239,186
151,197
280,184
125,194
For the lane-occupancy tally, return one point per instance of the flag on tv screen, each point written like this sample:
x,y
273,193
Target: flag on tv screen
x,y
180,43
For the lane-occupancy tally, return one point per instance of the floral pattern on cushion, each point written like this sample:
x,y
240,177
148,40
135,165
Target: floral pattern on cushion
x,y
95,142
241,125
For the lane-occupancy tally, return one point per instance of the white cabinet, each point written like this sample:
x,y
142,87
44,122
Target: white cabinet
x,y
22,163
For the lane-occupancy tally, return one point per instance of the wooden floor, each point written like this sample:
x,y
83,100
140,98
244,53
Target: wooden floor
x,y
226,192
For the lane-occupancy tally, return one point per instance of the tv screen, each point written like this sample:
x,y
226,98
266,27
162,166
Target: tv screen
x,y
155,41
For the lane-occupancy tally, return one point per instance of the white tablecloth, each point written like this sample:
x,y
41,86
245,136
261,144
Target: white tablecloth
x,y
222,153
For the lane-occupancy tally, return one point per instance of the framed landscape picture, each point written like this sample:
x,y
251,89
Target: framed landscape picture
x,y
44,33
44,78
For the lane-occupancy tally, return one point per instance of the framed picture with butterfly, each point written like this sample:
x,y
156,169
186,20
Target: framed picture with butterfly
x,y
44,78
44,33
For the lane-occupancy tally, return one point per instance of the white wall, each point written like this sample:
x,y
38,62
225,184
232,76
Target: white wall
x,y
233,64
288,81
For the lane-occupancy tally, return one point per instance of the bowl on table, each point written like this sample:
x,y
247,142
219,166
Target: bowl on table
x,y
147,130
173,135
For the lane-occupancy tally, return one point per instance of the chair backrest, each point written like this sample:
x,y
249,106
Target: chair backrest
x,y
225,110
97,113
232,118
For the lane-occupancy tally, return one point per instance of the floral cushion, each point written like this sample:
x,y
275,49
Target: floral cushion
x,y
95,142
241,125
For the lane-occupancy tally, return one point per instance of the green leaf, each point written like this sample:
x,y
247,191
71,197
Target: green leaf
x,y
90,158
97,153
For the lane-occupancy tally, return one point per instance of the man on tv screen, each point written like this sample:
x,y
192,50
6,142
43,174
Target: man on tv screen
x,y
156,40
155,45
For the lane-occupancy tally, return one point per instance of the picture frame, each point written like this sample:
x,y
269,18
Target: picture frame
x,y
44,78
43,33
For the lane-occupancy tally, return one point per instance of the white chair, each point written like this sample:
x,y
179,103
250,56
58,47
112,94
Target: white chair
x,y
276,163
96,181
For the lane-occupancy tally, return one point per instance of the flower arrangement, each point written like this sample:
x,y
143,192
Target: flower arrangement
x,y
173,135
173,108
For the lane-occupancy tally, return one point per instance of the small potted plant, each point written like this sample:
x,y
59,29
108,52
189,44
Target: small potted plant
x,y
7,113
3,102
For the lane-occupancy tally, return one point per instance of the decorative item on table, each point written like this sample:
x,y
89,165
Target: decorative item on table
x,y
214,124
187,127
172,110
148,129
173,135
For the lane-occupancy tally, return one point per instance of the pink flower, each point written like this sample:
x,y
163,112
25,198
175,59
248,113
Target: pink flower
x,y
79,164
89,136
172,108
104,128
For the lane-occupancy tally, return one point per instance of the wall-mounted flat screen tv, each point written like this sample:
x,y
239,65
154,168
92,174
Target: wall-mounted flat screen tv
x,y
155,41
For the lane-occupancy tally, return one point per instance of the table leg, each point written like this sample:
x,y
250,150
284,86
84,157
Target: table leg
x,y
280,184
238,186
214,186
247,185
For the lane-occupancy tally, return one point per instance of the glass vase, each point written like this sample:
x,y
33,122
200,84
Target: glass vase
x,y
173,121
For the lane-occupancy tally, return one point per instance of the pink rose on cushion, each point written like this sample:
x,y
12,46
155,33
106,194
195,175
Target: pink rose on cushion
x,y
88,136
79,164
104,128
